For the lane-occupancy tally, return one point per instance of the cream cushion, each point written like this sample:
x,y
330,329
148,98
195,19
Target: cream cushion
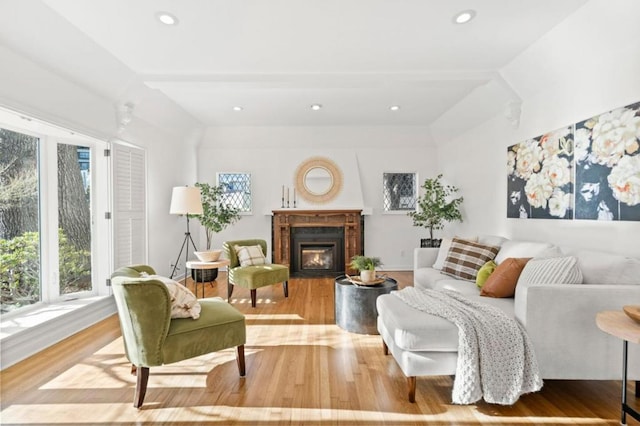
x,y
521,249
551,270
184,303
250,255
598,267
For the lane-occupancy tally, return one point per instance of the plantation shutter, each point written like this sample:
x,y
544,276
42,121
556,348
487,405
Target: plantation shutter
x,y
129,205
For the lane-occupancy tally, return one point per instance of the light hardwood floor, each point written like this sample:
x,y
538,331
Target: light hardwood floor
x,y
301,369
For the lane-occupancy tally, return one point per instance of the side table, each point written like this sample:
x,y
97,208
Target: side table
x,y
200,266
355,305
618,324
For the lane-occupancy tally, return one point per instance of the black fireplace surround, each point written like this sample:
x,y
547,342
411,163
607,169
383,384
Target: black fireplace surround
x,y
317,251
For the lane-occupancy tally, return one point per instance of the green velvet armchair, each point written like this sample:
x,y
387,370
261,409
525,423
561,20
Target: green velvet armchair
x,y
152,338
254,276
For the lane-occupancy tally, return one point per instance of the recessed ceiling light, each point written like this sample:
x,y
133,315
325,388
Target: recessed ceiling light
x,y
237,108
464,16
316,107
167,18
394,107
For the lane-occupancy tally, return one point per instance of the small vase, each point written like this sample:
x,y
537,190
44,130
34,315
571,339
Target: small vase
x,y
368,276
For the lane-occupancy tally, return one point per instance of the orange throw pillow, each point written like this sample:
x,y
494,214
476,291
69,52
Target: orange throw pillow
x,y
502,282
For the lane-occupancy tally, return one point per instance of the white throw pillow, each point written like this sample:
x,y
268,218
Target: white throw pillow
x,y
445,245
250,255
551,270
184,303
520,249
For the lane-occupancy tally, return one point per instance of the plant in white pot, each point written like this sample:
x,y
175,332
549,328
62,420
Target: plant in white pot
x,y
436,207
215,217
367,267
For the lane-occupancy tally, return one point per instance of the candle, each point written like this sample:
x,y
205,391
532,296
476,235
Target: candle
x,y
287,195
294,195
283,192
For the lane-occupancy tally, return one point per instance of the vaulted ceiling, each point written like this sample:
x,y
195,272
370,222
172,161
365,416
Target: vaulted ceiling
x,y
275,58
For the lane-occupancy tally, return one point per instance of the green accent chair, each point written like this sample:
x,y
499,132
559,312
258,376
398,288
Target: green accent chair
x,y
152,338
256,276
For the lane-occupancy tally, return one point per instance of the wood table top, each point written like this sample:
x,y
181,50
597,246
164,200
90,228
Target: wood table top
x,y
618,324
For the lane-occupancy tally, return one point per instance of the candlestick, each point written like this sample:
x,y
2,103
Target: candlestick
x,y
287,197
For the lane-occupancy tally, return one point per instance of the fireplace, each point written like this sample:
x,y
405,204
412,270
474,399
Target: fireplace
x,y
317,242
317,251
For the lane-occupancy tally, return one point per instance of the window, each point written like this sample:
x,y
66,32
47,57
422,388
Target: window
x,y
237,190
49,201
399,191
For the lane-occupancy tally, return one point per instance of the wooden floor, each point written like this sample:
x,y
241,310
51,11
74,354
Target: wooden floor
x,y
301,369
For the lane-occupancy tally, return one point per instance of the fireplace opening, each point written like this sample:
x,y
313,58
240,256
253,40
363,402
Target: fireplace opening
x,y
315,256
317,251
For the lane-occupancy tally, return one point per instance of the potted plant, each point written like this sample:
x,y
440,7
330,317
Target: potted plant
x,y
216,215
366,266
436,207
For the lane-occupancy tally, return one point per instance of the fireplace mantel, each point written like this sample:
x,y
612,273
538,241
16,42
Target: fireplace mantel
x,y
284,220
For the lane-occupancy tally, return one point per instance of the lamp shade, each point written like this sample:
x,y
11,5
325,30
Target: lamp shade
x,y
186,200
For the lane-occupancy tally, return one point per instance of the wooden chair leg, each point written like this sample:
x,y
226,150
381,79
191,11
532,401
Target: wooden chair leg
x,y
142,378
240,360
385,348
229,292
134,369
411,381
253,297
285,286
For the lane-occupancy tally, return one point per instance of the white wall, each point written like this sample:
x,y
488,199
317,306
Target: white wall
x,y
587,65
272,155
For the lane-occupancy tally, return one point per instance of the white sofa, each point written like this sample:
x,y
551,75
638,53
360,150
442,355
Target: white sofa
x,y
559,318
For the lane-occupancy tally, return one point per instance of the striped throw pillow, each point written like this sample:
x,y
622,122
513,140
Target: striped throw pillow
x,y
465,258
552,270
250,255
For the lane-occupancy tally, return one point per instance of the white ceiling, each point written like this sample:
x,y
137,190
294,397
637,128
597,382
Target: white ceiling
x,y
277,57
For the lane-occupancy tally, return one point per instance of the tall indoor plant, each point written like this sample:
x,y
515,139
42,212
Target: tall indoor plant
x,y
436,207
216,216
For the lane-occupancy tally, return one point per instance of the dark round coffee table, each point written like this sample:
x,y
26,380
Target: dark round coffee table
x,y
355,305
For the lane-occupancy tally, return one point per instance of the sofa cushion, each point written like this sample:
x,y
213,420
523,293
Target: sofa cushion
x,y
502,282
445,245
468,288
414,330
552,270
465,258
428,277
605,268
484,272
521,249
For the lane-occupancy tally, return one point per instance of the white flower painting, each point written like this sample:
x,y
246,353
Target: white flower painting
x,y
540,176
604,153
608,165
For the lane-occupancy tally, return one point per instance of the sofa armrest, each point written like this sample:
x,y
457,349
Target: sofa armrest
x,y
561,322
424,257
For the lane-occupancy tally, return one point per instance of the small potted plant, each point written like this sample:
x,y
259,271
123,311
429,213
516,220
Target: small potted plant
x,y
436,207
366,266
215,216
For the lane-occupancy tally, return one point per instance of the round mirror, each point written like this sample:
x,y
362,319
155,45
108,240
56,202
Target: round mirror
x,y
318,180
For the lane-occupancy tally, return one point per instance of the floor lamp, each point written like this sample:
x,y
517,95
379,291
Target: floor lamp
x,y
185,200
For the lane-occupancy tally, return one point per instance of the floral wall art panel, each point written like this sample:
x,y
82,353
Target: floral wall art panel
x,y
540,176
608,165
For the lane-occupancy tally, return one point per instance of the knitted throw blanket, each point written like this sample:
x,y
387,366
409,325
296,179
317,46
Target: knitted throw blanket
x,y
495,356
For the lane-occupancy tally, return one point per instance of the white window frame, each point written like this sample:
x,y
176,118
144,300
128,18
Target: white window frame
x,y
416,193
241,212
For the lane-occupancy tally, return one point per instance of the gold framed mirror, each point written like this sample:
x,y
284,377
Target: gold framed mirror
x,y
318,180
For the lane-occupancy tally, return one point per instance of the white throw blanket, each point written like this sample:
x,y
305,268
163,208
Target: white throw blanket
x,y
495,356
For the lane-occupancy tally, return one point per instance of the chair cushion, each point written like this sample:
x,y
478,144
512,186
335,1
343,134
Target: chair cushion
x,y
220,326
250,255
258,276
184,304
